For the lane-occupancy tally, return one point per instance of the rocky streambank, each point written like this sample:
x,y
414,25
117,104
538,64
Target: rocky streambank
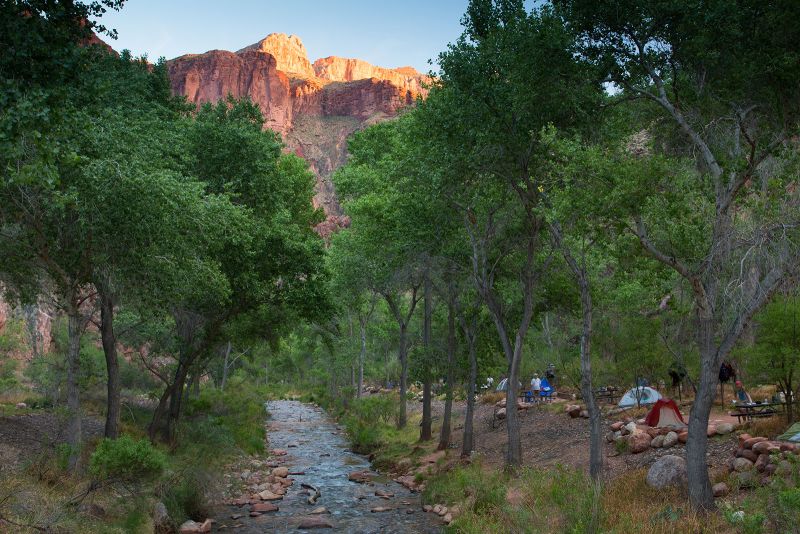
x,y
311,480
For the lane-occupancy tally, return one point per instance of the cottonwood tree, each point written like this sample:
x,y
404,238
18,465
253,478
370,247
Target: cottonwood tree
x,y
722,76
509,75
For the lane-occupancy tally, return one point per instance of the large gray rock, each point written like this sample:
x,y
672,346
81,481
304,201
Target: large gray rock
x,y
720,489
669,470
657,442
725,428
742,464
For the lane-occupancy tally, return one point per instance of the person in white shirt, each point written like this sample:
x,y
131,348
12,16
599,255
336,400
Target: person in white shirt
x,y
536,385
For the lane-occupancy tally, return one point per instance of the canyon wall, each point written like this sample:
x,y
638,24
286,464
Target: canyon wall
x,y
314,106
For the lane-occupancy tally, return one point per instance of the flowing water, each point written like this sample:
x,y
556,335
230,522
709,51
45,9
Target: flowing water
x,y
317,448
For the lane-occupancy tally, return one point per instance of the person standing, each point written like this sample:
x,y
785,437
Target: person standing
x,y
536,385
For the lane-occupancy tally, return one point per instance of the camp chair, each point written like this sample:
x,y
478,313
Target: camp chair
x,y
546,393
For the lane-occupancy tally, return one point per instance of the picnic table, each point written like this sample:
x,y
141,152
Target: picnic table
x,y
609,394
750,410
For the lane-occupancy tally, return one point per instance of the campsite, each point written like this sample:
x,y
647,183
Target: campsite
x,y
462,266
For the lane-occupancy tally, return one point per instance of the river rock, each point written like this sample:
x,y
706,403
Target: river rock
x,y
748,444
573,410
746,479
669,470
616,426
383,494
193,527
630,428
788,447
281,472
744,436
501,413
711,430
639,442
742,464
267,495
683,437
720,489
725,428
263,507
382,509
245,474
319,510
448,518
314,521
443,511
427,508
783,468
762,462
437,508
747,453
408,482
657,442
360,476
670,439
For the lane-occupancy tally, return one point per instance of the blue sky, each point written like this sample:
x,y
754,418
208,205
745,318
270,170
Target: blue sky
x,y
385,33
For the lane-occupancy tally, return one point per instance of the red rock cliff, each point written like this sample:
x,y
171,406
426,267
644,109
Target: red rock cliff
x,y
315,107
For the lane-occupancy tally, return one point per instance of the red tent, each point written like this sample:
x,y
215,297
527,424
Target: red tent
x,y
665,413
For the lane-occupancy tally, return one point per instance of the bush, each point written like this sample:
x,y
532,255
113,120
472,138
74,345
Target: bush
x,y
217,416
126,459
186,495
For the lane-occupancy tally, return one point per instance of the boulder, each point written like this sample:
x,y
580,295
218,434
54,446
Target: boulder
x,y
279,452
770,469
319,510
657,442
616,426
748,443
281,472
683,437
711,430
427,508
501,413
653,432
783,468
788,447
448,518
742,464
408,482
762,462
193,527
267,495
443,511
742,438
610,436
669,470
584,414
747,453
720,489
638,442
725,428
573,410
670,439
630,428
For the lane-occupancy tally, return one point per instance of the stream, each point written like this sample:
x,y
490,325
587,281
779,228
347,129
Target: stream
x,y
318,455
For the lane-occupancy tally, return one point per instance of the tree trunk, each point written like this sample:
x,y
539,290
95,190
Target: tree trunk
x,y
402,351
468,443
175,404
361,357
73,434
425,431
514,450
595,437
696,463
113,388
444,435
225,366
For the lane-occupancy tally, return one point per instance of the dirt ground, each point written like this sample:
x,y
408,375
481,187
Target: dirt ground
x,y
24,436
551,437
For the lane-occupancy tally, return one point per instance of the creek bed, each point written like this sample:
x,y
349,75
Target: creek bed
x,y
317,448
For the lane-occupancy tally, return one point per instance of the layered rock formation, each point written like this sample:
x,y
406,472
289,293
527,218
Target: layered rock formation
x,y
316,107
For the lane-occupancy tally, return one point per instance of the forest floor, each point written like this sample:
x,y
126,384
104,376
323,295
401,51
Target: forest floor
x,y
550,437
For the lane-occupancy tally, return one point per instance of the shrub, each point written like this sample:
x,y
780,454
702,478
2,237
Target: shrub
x,y
126,459
185,495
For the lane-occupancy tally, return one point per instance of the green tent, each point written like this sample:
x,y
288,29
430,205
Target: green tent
x,y
793,434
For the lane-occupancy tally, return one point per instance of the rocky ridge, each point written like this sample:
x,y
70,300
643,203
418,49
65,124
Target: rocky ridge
x,y
314,106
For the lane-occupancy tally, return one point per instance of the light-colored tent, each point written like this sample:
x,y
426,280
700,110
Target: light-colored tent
x,y
793,434
645,395
665,413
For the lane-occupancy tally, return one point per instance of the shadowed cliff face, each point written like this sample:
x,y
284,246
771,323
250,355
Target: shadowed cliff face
x,y
314,106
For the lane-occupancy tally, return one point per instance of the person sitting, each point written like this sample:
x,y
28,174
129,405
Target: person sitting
x,y
742,397
536,385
